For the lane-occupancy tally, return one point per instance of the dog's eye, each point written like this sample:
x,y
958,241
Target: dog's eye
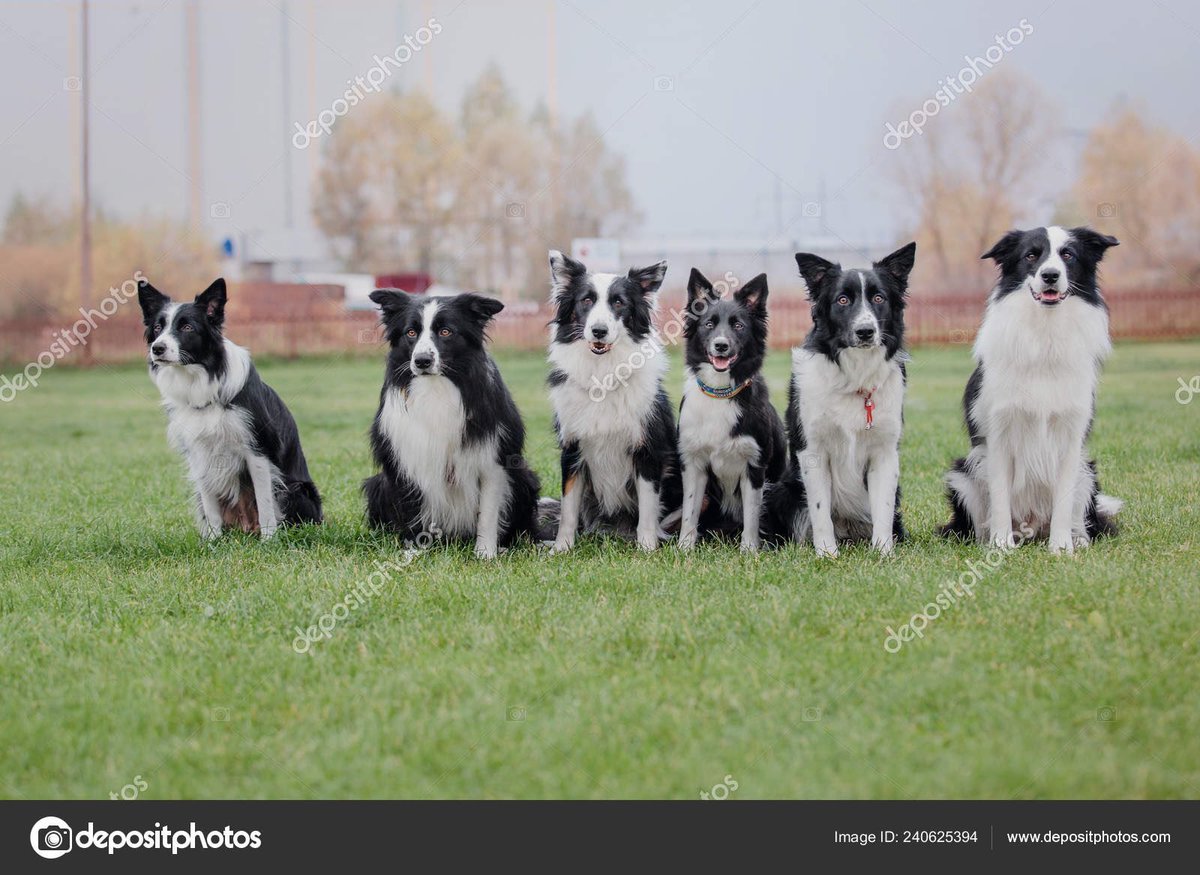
x,y
185,327
1067,255
843,300
412,332
710,325
737,326
878,299
585,304
618,304
1032,256
445,332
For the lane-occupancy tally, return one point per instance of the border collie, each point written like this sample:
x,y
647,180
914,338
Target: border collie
x,y
846,408
731,440
240,442
1030,403
447,436
620,460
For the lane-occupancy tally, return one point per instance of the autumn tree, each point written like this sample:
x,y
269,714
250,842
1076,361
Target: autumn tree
x,y
971,175
1141,183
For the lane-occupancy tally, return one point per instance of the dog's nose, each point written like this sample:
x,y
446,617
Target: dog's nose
x,y
721,346
865,334
599,331
158,348
1050,276
423,362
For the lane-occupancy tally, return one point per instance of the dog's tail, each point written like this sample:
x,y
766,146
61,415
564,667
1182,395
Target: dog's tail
x,y
303,502
548,512
958,480
1103,519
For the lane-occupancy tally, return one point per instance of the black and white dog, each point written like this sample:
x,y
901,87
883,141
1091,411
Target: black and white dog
x,y
846,408
447,436
240,442
731,439
620,461
1029,404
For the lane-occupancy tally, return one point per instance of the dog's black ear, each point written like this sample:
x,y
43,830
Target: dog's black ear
x,y
899,264
212,301
1004,247
814,269
753,294
649,278
564,270
1093,241
481,308
392,302
700,292
152,301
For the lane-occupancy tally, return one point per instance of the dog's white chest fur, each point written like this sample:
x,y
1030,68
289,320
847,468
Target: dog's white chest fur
x,y
834,417
425,431
215,440
706,439
1040,374
603,405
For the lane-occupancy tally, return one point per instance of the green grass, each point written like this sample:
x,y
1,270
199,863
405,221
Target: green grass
x,y
129,648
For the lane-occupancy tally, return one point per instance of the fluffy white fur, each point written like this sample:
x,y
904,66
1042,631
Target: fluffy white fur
x,y
840,447
1040,374
465,488
706,442
214,439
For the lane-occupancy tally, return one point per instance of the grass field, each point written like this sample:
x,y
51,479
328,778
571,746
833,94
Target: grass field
x,y
130,650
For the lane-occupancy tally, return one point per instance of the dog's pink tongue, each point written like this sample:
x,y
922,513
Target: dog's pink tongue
x,y
721,363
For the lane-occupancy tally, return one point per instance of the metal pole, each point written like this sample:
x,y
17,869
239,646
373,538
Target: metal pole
x,y
85,217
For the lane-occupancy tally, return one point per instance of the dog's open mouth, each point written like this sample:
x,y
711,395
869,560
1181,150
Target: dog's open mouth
x,y
599,347
722,363
1049,297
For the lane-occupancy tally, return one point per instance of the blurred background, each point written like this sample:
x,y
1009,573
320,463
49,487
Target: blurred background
x,y
312,150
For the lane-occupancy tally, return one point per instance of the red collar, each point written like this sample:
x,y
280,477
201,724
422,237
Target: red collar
x,y
868,404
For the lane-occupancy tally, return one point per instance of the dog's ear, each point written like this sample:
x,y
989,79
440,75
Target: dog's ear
x,y
480,308
814,269
392,302
564,270
152,301
1004,247
649,278
1093,241
899,264
700,292
212,302
753,294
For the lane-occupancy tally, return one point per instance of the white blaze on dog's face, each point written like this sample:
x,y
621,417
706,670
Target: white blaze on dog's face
x,y
602,326
164,346
1048,282
425,357
865,324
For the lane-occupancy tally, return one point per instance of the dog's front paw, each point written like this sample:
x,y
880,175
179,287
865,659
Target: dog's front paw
x,y
1004,540
209,533
826,549
1061,544
687,540
885,546
648,542
268,532
562,545
485,550
1081,541
750,544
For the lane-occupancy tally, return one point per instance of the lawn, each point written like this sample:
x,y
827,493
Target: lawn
x,y
131,652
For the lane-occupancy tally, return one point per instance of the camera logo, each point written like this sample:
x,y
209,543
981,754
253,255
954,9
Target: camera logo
x,y
50,837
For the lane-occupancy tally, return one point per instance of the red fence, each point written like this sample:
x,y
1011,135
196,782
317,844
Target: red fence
x,y
294,320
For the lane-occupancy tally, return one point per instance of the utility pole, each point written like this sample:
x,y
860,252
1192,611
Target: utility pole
x,y
85,217
194,134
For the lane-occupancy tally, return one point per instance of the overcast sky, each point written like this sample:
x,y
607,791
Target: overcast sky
x,y
758,98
